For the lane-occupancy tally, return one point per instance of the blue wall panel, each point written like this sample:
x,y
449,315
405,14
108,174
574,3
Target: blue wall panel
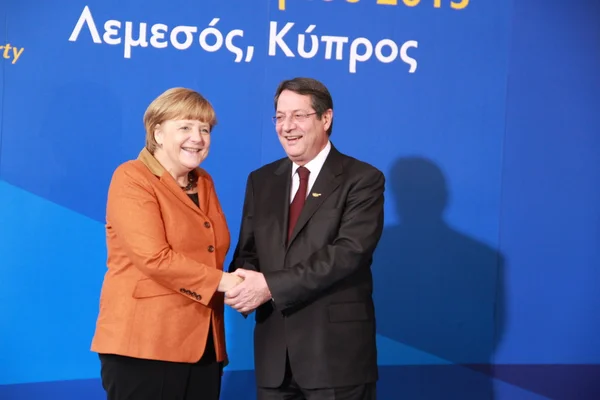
x,y
550,211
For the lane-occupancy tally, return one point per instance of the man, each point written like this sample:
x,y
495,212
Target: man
x,y
310,225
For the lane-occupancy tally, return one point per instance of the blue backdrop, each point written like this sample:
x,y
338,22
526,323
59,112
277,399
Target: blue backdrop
x,y
483,116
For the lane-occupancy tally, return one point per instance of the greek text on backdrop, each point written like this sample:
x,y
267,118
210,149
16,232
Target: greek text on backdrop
x,y
211,40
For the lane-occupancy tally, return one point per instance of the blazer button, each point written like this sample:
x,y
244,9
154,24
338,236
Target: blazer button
x,y
207,224
211,248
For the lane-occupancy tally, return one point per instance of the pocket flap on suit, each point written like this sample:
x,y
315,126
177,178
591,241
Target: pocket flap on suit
x,y
346,312
149,288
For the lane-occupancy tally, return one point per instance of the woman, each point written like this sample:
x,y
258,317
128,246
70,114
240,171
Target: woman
x,y
160,332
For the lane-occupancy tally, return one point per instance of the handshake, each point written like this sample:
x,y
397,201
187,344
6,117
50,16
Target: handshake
x,y
244,290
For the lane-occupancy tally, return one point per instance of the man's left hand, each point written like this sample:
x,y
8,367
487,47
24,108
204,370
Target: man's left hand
x,y
250,294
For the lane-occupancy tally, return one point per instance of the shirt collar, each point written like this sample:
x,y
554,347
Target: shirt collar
x,y
315,165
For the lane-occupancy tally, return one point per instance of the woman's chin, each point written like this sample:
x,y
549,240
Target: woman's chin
x,y
190,162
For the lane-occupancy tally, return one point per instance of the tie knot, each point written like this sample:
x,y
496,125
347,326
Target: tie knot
x,y
303,173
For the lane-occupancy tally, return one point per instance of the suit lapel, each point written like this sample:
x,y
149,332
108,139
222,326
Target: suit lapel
x,y
203,195
328,180
169,182
279,199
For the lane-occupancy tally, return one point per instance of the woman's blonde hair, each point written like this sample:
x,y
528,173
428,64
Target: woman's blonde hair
x,y
176,103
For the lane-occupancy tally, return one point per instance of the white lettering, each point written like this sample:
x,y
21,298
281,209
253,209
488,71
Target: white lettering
x,y
158,35
187,31
314,45
330,40
393,52
406,58
130,41
211,31
355,56
85,18
111,27
181,37
276,39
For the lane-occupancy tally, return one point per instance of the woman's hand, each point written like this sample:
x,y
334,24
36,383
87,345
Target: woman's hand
x,y
228,282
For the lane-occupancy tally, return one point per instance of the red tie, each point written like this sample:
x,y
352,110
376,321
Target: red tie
x,y
299,199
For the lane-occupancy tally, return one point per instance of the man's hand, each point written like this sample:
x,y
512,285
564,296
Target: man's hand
x,y
249,294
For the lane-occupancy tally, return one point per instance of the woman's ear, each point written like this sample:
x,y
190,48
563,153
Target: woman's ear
x,y
158,135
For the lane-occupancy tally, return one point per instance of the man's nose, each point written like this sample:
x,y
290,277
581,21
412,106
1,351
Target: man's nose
x,y
288,124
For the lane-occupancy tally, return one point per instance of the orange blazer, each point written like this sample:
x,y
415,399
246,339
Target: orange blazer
x,y
165,261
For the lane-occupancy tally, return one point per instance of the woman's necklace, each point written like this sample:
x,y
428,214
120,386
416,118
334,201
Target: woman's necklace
x,y
192,181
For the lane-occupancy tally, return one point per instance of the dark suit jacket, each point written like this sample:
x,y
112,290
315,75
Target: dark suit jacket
x,y
322,310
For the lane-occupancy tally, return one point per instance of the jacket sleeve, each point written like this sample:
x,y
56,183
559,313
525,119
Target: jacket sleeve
x,y
134,214
359,232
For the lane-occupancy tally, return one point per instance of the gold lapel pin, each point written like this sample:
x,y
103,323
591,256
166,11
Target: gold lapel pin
x,y
316,194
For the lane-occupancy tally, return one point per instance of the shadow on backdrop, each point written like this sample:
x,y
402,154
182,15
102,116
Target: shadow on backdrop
x,y
437,290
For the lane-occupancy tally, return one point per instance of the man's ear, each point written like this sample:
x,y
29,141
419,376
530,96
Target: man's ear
x,y
327,117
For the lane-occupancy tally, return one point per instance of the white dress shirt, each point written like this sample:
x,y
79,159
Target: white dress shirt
x,y
314,166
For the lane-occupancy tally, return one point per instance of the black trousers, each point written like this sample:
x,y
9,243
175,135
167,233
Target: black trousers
x,y
290,390
127,378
